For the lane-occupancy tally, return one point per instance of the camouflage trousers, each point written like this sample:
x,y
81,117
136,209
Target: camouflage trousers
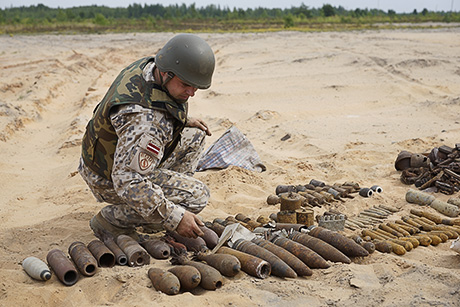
x,y
174,176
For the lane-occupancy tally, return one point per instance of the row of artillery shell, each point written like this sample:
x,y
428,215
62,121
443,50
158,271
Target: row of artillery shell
x,y
210,278
405,234
191,274
186,277
103,254
283,254
85,258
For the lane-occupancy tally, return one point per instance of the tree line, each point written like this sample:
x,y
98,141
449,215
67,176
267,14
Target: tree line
x,y
156,17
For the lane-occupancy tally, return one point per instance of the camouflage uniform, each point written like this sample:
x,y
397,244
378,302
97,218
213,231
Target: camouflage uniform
x,y
146,185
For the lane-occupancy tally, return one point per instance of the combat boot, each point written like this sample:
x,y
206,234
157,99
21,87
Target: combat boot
x,y
103,229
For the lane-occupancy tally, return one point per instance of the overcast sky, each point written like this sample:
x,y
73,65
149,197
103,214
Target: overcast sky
x,y
400,6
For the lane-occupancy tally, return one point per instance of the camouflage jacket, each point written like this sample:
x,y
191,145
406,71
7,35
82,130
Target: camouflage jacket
x,y
130,87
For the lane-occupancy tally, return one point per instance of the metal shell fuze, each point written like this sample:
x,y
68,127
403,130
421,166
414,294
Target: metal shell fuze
x,y
36,268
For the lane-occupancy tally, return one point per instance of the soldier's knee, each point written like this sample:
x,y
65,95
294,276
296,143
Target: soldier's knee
x,y
200,199
193,136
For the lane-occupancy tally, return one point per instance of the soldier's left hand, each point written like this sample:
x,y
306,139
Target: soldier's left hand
x,y
198,123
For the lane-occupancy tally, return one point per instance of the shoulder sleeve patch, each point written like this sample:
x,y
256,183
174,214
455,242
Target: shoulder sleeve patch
x,y
147,155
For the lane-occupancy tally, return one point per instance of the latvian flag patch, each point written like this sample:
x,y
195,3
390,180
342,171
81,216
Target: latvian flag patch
x,y
153,148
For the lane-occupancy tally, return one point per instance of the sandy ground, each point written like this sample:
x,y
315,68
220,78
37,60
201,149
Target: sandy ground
x,y
350,101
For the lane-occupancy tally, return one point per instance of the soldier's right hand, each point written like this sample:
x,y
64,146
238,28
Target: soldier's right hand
x,y
188,226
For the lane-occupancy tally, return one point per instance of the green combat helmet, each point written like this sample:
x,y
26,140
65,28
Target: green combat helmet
x,y
188,57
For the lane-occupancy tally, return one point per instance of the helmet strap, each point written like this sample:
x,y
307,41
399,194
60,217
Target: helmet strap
x,y
168,78
163,82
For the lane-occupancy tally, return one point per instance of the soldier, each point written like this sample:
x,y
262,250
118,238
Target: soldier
x,y
140,150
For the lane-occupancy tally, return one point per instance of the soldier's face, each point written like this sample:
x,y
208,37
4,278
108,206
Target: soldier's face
x,y
180,90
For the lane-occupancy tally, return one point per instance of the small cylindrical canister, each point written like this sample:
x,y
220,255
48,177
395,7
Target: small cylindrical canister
x,y
104,256
290,202
137,256
284,189
419,197
36,268
334,193
317,183
305,217
157,248
82,257
366,192
287,217
62,266
120,257
376,189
